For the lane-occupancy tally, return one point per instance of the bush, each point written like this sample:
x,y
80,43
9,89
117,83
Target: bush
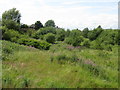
x,y
92,35
96,45
34,43
75,41
11,35
49,38
86,43
4,29
109,37
43,31
60,36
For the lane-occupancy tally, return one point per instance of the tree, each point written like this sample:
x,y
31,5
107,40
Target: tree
x,y
85,32
50,38
43,31
92,35
24,26
60,34
32,26
99,27
50,23
11,19
38,25
67,33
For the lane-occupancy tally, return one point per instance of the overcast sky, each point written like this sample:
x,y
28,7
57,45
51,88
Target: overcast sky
x,y
69,14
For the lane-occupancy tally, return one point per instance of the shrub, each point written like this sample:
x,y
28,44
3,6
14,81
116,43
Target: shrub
x,y
107,47
96,45
75,41
4,29
92,35
109,37
60,36
86,43
43,31
50,38
34,43
11,35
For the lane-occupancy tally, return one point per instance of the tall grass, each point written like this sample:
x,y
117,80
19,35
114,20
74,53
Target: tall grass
x,y
59,68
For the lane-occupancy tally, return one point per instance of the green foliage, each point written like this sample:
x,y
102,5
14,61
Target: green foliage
x,y
92,35
67,33
38,25
60,35
50,38
9,48
75,41
85,32
62,58
50,23
4,29
75,38
11,19
75,33
109,37
24,26
73,66
34,43
26,83
86,69
96,45
11,35
85,43
43,31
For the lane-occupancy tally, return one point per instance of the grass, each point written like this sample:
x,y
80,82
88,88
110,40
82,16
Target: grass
x,y
58,67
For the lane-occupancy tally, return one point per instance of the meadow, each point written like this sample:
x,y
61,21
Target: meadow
x,y
63,66
47,56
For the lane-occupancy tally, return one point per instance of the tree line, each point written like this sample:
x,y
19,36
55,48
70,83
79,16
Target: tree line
x,y
43,36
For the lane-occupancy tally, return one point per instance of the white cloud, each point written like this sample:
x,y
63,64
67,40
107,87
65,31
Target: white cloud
x,y
66,17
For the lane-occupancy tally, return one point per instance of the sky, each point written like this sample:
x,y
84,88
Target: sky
x,y
68,14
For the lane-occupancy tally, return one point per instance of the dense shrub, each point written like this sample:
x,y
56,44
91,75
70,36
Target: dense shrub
x,y
85,43
11,35
75,41
92,35
4,29
43,31
30,32
34,43
60,35
109,37
96,45
49,38
85,32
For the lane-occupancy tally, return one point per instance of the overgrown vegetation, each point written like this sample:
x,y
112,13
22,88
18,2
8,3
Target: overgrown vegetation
x,y
40,55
